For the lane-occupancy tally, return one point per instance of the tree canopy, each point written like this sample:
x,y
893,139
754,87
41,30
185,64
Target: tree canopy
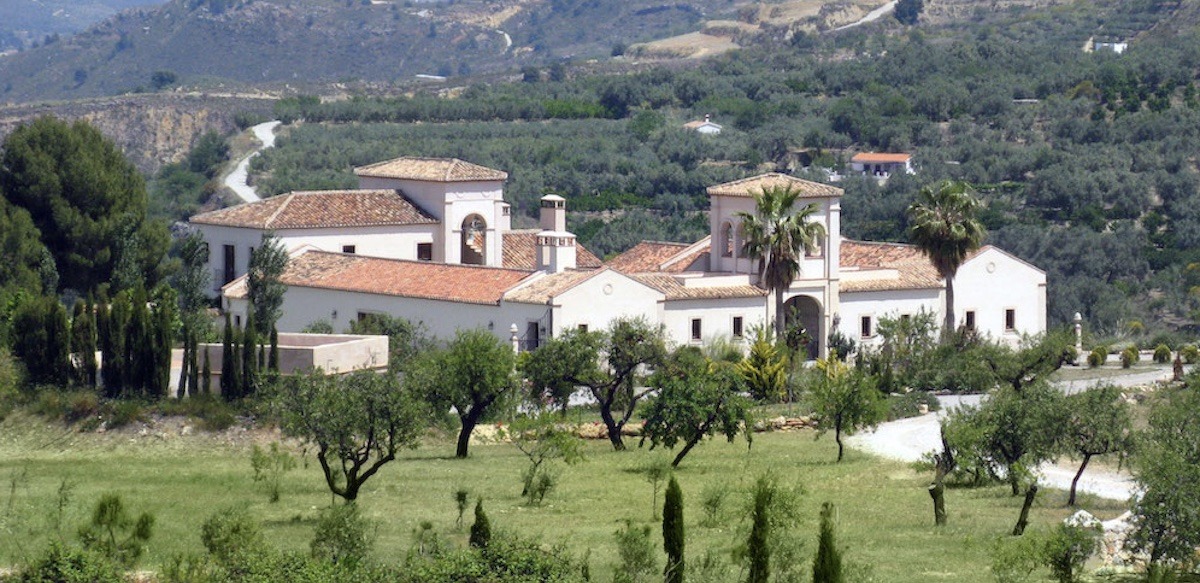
x,y
86,199
943,223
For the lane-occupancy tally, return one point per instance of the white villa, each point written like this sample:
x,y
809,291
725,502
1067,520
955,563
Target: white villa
x,y
881,165
430,240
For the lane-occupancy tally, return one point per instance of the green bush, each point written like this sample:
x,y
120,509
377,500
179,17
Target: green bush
x,y
10,381
1129,356
637,562
230,535
342,536
1097,357
905,405
1191,354
1014,559
64,564
1066,549
712,502
114,532
1162,354
123,412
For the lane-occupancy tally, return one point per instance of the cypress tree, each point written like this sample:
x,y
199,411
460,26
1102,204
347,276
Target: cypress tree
x,y
83,343
137,345
827,565
229,376
89,350
206,384
758,546
193,380
673,536
273,359
481,530
58,345
249,356
115,360
163,338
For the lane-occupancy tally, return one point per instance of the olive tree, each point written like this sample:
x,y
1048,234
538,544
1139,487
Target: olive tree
x,y
358,422
843,400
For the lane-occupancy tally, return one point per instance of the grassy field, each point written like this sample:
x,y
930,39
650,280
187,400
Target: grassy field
x,y
884,515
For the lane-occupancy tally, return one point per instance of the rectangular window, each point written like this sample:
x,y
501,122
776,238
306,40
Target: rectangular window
x,y
969,322
1010,320
532,336
583,328
349,248
230,265
905,319
425,251
237,321
865,328
696,331
737,326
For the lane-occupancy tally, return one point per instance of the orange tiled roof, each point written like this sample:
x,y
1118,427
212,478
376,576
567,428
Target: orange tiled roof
x,y
912,267
321,209
472,284
430,170
544,289
880,158
756,184
646,256
674,290
520,251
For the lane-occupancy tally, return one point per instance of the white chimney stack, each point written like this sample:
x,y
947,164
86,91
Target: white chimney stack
x,y
555,246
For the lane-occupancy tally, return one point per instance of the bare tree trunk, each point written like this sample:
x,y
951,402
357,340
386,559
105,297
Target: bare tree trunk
x,y
780,319
1071,499
614,430
464,436
1023,520
937,491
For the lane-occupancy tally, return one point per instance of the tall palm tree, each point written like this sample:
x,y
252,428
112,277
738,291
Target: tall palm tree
x,y
943,223
778,235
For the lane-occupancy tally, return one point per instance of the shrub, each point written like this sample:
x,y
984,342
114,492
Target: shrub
x,y
123,412
114,533
712,502
636,552
481,530
905,405
230,534
342,536
269,466
827,565
1162,354
10,381
1067,548
1014,559
1097,356
1129,356
64,564
1190,353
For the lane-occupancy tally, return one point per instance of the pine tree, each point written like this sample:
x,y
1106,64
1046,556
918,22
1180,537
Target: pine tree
x,y
827,565
673,535
481,531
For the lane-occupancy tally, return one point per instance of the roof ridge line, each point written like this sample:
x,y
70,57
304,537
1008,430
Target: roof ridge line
x,y
271,219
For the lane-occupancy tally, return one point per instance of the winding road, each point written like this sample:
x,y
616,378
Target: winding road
x,y
238,180
871,16
910,439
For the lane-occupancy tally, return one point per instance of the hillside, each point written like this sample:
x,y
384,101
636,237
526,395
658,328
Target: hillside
x,y
25,23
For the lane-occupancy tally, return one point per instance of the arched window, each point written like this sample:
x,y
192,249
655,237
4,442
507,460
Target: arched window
x,y
474,241
727,242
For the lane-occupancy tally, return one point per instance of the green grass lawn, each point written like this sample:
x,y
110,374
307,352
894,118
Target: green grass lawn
x,y
884,517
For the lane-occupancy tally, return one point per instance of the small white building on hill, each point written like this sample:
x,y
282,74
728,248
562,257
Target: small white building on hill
x,y
430,240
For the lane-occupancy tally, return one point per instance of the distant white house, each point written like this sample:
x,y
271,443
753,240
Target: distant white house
x,y
881,165
429,240
706,127
1116,46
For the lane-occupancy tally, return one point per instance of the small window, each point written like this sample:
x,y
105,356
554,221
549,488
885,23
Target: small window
x,y
237,321
905,319
1010,320
425,251
727,240
696,331
583,328
230,265
969,324
737,326
349,248
816,250
866,330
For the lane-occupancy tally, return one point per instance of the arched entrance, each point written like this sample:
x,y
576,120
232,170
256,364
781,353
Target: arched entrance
x,y
802,325
474,241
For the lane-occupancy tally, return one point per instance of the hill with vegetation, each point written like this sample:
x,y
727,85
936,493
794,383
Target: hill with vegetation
x,y
28,23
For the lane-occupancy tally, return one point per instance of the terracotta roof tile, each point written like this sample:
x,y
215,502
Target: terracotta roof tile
x,y
756,184
544,289
911,267
520,251
880,158
660,256
431,170
675,290
321,209
472,284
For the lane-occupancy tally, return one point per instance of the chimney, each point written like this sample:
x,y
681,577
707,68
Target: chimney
x,y
706,118
555,246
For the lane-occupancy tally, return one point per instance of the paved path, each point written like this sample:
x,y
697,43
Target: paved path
x,y
909,439
871,16
237,181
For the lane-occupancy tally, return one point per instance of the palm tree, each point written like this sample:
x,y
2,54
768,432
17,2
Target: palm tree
x,y
778,237
943,223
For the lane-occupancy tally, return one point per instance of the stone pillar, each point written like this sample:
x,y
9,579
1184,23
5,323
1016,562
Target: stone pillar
x,y
516,340
1078,338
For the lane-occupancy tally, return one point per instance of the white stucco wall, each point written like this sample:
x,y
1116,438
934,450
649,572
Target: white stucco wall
x,y
396,242
303,306
891,304
603,298
716,318
451,203
991,283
